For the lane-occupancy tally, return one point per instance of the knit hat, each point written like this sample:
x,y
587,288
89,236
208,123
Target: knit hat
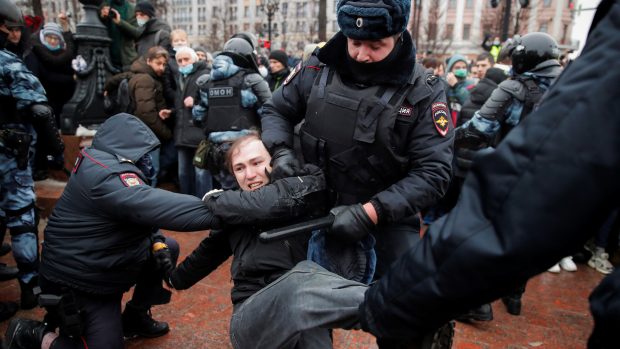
x,y
146,8
372,19
279,56
52,28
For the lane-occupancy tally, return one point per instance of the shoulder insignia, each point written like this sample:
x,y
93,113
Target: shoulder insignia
x,y
130,179
431,80
441,117
294,72
405,110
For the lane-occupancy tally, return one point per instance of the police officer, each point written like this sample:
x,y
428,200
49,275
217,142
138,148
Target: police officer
x,y
230,98
524,206
375,121
25,117
102,238
535,67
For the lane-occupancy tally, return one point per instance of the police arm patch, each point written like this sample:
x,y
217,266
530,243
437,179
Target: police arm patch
x,y
294,72
130,179
441,117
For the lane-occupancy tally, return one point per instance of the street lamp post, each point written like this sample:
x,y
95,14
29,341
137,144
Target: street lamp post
x,y
270,8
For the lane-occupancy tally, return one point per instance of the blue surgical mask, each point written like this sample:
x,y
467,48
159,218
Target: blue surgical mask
x,y
52,48
145,164
186,69
141,21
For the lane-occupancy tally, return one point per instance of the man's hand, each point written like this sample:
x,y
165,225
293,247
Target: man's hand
x,y
116,17
188,102
163,260
351,223
165,113
451,79
284,164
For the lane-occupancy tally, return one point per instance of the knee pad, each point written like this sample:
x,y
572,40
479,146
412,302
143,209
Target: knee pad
x,y
25,247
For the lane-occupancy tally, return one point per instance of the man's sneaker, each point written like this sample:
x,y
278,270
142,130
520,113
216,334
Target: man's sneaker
x,y
7,273
7,310
567,264
482,313
600,262
513,305
137,322
24,334
555,269
28,299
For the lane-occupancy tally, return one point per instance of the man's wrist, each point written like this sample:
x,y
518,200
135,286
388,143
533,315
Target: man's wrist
x,y
369,208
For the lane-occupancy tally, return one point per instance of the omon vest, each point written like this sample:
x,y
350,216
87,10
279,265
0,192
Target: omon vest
x,y
225,110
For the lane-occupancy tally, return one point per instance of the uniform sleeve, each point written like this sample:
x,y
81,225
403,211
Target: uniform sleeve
x,y
522,208
147,106
260,88
141,204
430,156
211,253
25,87
287,106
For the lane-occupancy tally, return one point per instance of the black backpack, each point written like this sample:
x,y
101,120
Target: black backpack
x,y
119,99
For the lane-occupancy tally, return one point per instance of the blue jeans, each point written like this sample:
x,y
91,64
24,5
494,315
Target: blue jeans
x,y
301,305
192,180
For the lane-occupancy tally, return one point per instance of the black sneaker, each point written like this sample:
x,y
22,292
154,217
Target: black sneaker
x,y
482,313
24,334
28,299
513,305
7,273
7,310
138,322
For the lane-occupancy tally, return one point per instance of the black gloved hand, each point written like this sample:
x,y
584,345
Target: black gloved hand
x,y
284,164
164,263
351,223
470,138
56,162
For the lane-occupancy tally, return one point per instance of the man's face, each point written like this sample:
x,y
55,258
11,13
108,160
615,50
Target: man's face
x,y
142,16
179,40
458,65
158,65
15,34
184,59
201,56
250,163
275,66
483,66
370,51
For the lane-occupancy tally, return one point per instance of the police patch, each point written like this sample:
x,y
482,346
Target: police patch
x,y
441,117
294,72
130,179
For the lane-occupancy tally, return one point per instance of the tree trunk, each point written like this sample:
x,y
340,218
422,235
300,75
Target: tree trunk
x,y
322,20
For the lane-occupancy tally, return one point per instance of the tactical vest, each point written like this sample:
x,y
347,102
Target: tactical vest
x,y
353,134
8,111
225,110
533,94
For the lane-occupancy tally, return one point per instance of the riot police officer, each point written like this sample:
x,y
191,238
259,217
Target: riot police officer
x,y
230,98
25,118
375,121
535,67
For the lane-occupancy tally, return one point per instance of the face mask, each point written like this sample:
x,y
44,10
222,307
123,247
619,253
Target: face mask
x,y
263,71
460,73
141,21
52,48
145,164
186,69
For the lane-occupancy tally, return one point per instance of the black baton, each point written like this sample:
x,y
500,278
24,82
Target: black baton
x,y
303,227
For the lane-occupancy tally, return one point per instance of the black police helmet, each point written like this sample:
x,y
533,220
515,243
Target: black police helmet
x,y
241,52
533,49
249,37
10,12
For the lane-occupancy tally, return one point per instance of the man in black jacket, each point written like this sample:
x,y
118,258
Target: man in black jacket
x,y
534,199
102,238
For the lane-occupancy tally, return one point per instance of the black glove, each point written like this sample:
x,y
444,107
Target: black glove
x,y
164,263
47,131
351,223
284,164
56,162
470,138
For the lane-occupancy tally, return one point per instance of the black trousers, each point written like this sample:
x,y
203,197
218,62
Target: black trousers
x,y
101,315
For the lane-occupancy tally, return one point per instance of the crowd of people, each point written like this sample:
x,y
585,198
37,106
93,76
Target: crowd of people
x,y
429,168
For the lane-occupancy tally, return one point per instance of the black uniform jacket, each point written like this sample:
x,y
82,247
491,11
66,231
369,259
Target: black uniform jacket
x,y
255,264
101,230
429,152
536,199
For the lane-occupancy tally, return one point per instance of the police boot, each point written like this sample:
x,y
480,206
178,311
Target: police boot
x,y
482,313
7,273
7,310
513,305
24,334
28,298
139,322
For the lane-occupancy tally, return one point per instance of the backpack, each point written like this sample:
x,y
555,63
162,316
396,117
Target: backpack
x,y
119,99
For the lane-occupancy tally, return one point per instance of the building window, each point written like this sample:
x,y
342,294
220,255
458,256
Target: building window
x,y
547,3
544,27
246,11
449,31
466,31
451,3
469,3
